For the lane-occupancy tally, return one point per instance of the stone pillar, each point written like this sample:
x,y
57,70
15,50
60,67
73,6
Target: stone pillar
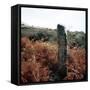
x,y
62,52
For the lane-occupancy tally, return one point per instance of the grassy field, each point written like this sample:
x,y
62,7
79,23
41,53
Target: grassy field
x,y
38,60
39,55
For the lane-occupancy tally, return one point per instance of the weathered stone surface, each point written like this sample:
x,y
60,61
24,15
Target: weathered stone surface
x,y
62,52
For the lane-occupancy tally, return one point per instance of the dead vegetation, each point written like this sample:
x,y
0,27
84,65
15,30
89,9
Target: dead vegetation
x,y
76,64
38,57
35,60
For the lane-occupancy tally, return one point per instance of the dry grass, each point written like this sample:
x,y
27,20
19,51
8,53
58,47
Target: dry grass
x,y
76,64
37,58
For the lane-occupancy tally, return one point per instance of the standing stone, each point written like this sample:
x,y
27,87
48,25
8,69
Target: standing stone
x,y
62,53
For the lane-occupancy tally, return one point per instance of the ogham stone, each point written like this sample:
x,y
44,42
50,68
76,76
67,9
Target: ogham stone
x,y
61,71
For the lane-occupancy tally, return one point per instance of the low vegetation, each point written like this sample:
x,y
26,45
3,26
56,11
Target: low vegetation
x,y
39,55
